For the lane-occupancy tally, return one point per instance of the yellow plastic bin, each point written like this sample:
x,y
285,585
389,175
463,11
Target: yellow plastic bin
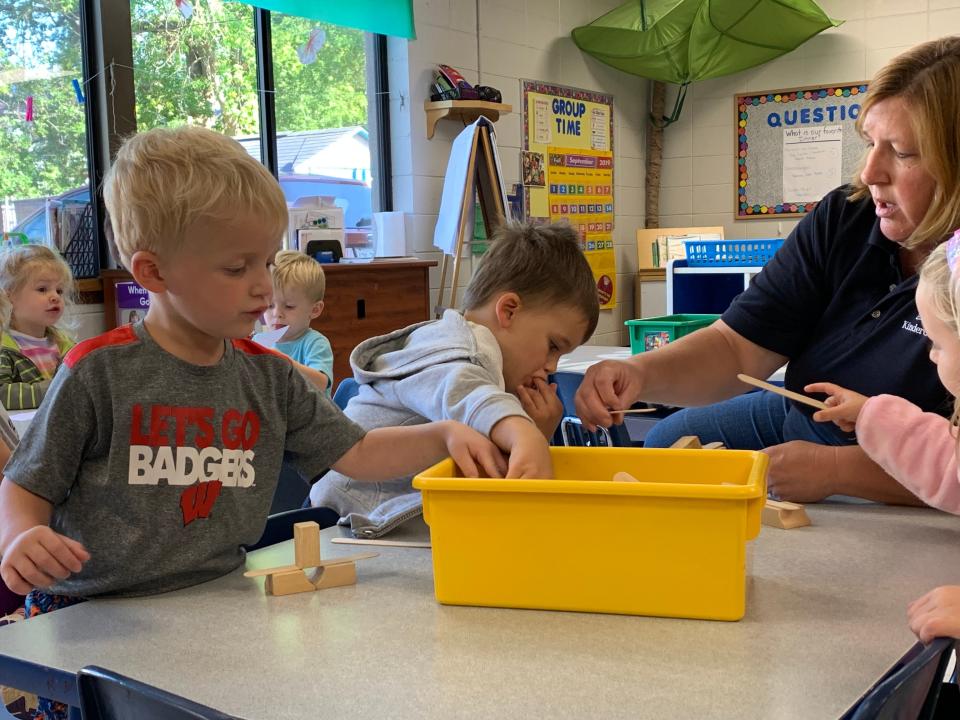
x,y
672,545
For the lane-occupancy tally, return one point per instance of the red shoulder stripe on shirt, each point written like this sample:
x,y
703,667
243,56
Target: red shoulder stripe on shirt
x,y
123,335
251,348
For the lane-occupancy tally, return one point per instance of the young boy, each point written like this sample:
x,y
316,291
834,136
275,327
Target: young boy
x,y
170,433
532,300
298,286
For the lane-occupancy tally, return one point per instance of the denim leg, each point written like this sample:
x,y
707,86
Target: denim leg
x,y
747,422
800,426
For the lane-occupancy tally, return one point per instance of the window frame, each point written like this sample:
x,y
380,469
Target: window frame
x,y
107,32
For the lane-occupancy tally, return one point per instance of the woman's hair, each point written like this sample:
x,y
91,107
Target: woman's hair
x,y
927,79
943,287
19,263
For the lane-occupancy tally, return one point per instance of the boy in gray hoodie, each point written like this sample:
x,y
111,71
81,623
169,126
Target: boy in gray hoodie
x,y
532,300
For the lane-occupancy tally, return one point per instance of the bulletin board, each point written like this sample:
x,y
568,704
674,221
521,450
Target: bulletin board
x,y
567,170
793,146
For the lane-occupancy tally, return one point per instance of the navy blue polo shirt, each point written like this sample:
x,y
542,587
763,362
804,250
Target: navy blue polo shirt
x,y
835,301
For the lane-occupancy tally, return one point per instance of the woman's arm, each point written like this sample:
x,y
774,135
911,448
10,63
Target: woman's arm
x,y
807,472
698,369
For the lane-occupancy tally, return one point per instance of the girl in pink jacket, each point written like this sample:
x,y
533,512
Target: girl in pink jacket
x,y
918,448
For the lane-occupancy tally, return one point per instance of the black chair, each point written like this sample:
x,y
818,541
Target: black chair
x,y
106,695
279,527
910,689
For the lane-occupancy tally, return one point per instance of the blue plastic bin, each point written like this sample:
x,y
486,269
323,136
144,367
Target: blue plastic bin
x,y
727,253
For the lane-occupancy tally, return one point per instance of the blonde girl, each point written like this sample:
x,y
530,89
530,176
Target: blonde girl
x,y
918,448
36,288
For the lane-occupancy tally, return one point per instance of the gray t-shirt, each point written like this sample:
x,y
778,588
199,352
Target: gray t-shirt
x,y
162,468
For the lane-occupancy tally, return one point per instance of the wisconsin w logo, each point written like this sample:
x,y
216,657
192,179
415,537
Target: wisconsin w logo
x,y
197,500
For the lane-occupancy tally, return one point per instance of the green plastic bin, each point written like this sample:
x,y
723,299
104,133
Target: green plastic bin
x,y
653,332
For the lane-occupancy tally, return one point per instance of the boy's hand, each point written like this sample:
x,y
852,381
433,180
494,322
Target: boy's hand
x,y
542,404
936,614
39,556
472,451
845,405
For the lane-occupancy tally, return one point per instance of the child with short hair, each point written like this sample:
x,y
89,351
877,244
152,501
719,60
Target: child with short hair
x,y
298,287
532,300
170,432
918,448
38,284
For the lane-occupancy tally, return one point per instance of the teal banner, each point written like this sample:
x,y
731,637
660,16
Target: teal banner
x,y
386,17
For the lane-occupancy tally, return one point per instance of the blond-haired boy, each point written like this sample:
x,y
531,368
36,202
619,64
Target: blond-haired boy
x,y
532,300
298,287
170,432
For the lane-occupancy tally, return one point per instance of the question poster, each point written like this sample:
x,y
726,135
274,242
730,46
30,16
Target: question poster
x,y
569,133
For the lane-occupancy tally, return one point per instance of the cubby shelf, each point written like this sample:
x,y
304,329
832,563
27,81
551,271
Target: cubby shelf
x,y
465,110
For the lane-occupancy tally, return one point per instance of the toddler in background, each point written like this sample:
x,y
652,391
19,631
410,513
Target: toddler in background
x,y
38,284
532,300
918,448
298,287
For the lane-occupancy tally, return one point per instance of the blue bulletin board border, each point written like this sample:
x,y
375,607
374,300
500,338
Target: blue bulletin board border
x,y
570,93
744,107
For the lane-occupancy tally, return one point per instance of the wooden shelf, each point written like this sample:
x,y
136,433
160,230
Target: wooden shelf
x,y
465,110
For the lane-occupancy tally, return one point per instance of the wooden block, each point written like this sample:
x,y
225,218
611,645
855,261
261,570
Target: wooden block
x,y
784,515
288,582
335,576
624,477
714,446
306,544
322,563
691,442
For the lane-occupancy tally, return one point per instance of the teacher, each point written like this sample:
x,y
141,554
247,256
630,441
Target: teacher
x,y
836,302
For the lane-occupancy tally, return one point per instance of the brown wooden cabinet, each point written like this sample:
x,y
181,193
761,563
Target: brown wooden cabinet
x,y
364,300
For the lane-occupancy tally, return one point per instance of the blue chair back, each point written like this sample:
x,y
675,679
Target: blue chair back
x,y
106,695
571,432
347,388
910,688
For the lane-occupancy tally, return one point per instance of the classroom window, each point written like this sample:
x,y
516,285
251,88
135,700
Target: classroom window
x,y
43,155
323,140
195,63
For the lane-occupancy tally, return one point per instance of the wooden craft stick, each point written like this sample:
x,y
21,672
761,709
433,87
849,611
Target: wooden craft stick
x,y
324,563
688,442
632,411
624,477
781,391
716,445
375,541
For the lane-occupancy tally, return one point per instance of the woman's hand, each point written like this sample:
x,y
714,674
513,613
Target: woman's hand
x,y
801,471
936,614
608,385
845,405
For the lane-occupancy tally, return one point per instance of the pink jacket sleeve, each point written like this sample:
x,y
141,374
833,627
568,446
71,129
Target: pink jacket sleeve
x,y
919,449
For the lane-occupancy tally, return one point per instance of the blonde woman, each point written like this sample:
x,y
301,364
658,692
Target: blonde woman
x,y
837,302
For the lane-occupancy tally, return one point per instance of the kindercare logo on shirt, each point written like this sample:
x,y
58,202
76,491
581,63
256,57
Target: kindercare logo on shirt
x,y
176,446
915,327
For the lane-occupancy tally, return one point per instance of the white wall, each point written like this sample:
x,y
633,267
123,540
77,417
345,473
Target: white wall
x,y
516,39
698,169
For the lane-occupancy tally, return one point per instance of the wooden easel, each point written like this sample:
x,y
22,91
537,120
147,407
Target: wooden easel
x,y
482,175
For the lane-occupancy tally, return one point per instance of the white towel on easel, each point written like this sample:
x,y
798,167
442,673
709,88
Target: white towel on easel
x,y
456,183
